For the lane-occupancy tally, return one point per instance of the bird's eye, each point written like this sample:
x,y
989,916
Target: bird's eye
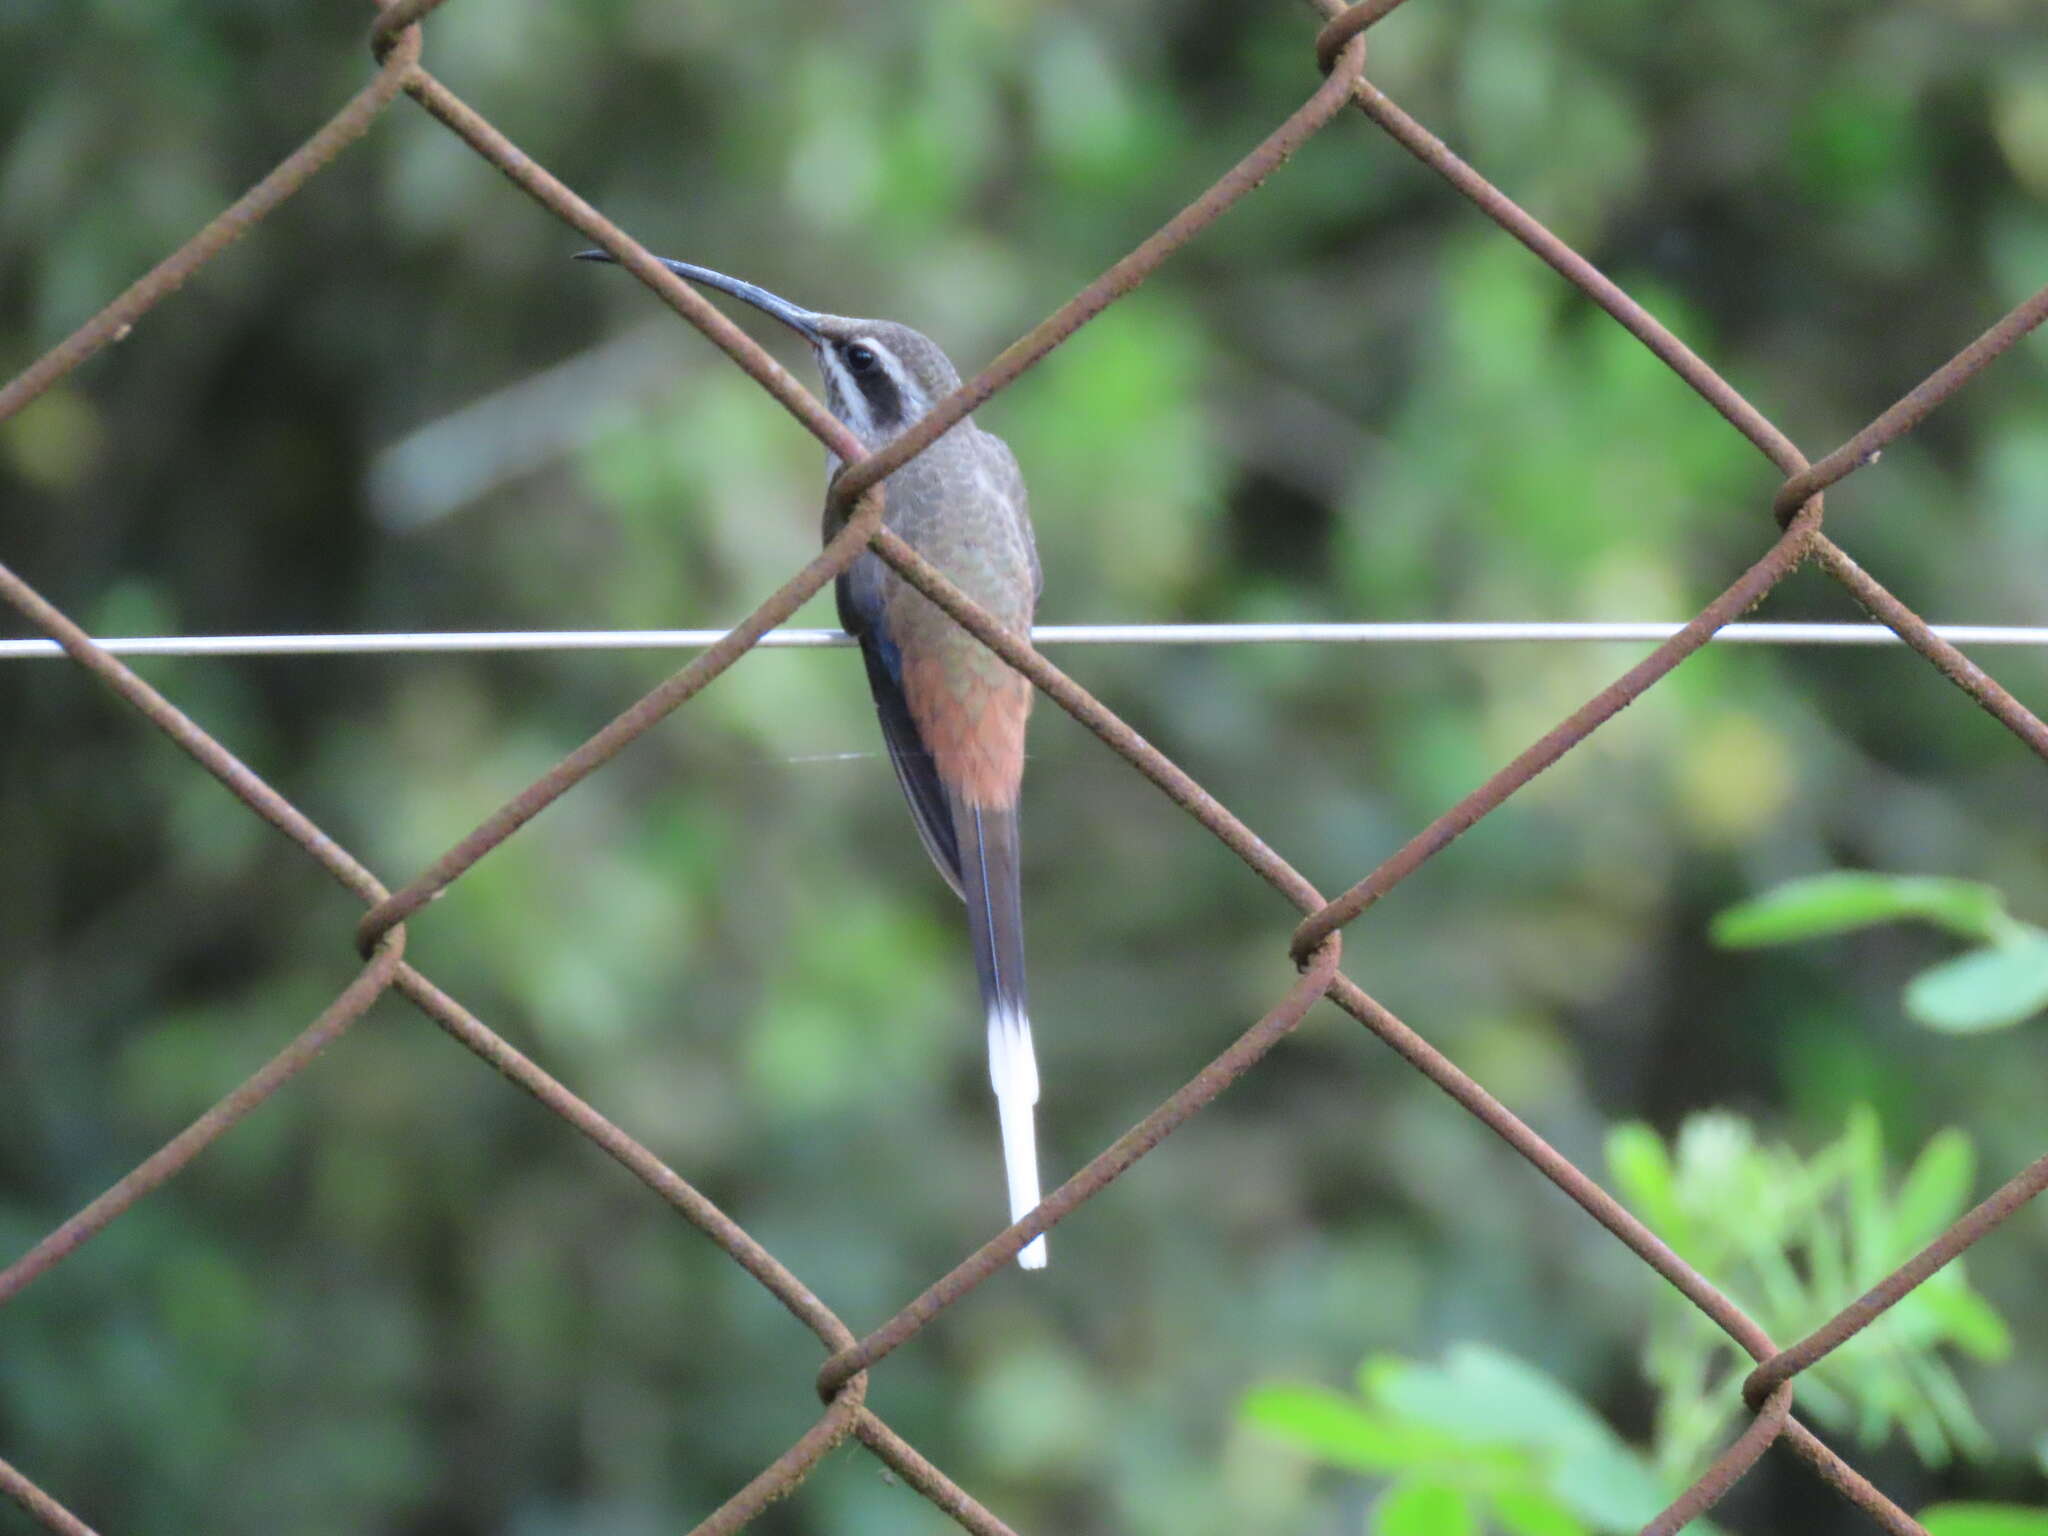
x,y
861,358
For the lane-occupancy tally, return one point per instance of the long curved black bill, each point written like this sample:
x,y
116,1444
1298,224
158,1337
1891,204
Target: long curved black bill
x,y
802,321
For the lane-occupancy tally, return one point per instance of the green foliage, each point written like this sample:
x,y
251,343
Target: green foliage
x,y
1846,900
1984,1520
2002,982
1487,1442
1991,988
1482,1442
1792,1239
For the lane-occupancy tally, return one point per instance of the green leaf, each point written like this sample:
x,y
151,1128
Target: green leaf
x,y
1984,1520
1988,988
1935,1191
1343,1432
1827,1258
1641,1165
1610,1487
1967,1320
1841,902
1421,1508
1869,1222
1485,1395
1525,1512
1951,1408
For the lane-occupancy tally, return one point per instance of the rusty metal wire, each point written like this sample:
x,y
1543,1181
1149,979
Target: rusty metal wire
x,y
855,503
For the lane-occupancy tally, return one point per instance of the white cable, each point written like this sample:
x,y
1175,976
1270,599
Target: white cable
x,y
1053,634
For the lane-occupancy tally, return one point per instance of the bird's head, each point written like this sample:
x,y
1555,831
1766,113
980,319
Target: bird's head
x,y
879,376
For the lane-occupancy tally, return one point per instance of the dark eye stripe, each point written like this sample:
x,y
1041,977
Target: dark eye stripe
x,y
885,400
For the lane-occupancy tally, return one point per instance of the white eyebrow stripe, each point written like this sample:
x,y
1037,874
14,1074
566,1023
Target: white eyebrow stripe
x,y
908,391
910,399
906,386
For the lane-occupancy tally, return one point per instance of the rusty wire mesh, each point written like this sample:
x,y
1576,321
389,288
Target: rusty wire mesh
x,y
855,503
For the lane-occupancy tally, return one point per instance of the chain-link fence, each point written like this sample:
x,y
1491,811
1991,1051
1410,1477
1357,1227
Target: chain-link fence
x,y
856,499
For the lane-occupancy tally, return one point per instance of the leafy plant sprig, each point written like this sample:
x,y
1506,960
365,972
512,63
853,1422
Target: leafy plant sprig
x,y
1793,1240
2000,982
1482,1442
1486,1442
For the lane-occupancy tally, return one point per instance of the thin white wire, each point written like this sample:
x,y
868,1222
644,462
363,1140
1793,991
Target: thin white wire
x,y
1054,634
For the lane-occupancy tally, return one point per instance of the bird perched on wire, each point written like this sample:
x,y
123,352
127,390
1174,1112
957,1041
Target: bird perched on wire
x,y
952,711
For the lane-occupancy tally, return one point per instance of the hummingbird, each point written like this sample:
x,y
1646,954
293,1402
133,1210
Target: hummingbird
x,y
952,711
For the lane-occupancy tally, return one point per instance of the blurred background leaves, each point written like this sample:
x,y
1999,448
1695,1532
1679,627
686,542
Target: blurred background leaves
x,y
1488,1442
2003,981
401,1299
1793,1240
1482,1442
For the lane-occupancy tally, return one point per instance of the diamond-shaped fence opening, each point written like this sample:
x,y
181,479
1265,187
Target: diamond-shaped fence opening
x,y
1796,541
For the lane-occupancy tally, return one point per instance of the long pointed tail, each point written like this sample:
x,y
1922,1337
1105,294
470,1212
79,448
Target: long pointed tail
x,y
995,915
1014,1071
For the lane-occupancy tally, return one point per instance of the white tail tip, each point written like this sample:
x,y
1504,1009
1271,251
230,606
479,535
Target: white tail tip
x,y
1013,1070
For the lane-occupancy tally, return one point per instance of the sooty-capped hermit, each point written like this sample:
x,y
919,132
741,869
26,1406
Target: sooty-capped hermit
x,y
952,712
